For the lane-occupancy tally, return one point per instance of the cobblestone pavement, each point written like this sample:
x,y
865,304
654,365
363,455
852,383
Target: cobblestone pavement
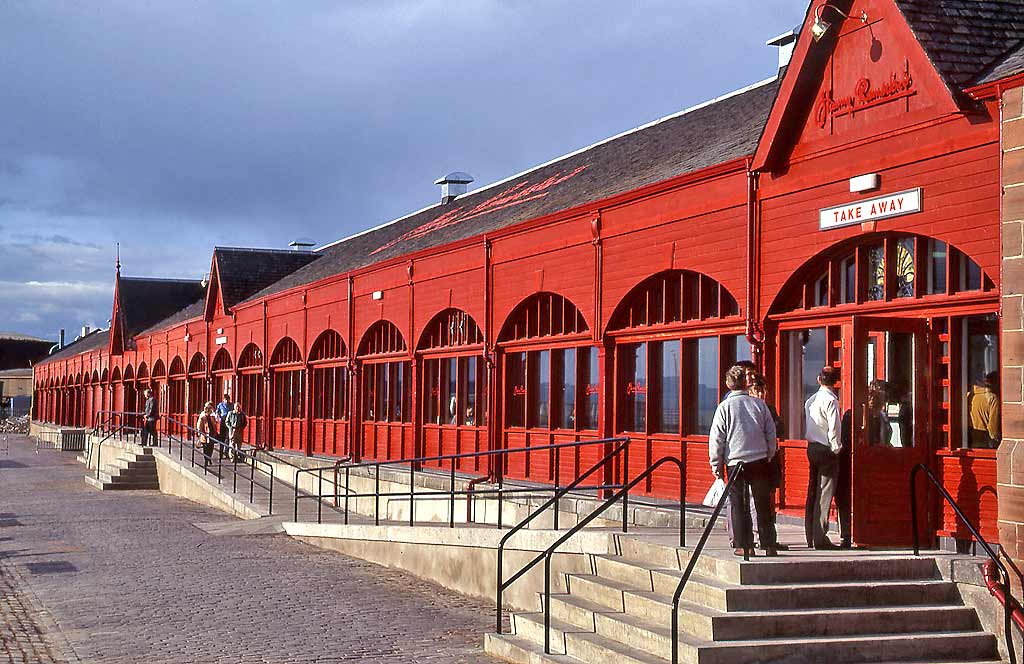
x,y
112,577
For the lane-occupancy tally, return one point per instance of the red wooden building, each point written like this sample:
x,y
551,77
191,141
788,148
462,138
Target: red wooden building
x,y
846,212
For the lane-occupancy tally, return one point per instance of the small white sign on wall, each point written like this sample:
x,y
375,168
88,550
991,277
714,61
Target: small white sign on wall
x,y
883,207
220,341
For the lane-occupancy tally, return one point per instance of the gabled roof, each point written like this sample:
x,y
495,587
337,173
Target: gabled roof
x,y
143,302
965,39
17,336
92,341
241,272
713,133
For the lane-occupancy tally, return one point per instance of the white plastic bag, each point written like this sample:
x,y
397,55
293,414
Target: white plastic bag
x,y
714,494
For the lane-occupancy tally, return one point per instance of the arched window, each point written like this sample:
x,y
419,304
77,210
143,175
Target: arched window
x,y
551,383
198,388
250,391
883,267
675,334
329,386
289,385
222,361
251,357
176,404
177,367
159,371
142,378
386,374
453,371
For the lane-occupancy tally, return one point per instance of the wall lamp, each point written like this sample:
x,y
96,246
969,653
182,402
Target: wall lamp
x,y
820,27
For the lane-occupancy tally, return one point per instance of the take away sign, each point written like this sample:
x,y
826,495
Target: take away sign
x,y
883,207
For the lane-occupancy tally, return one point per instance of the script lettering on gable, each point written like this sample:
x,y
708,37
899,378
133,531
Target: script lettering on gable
x,y
865,95
517,194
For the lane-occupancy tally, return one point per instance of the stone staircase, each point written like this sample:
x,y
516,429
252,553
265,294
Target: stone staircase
x,y
131,470
798,608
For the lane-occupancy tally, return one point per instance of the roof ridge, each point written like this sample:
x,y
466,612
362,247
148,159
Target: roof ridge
x,y
652,123
258,250
163,280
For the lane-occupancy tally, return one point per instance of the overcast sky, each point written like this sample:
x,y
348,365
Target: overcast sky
x,y
174,126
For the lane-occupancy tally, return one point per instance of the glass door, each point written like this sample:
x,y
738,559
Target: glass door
x,y
889,418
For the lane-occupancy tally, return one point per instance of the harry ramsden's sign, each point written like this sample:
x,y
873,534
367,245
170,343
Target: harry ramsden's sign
x,y
893,205
865,95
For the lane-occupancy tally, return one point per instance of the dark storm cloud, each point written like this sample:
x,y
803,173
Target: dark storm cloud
x,y
173,126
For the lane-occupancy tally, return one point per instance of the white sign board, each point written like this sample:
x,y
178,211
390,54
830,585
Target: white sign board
x,y
883,207
220,341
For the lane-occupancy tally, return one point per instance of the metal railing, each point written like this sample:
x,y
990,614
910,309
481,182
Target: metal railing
x,y
414,466
49,440
98,446
989,551
546,555
194,443
692,563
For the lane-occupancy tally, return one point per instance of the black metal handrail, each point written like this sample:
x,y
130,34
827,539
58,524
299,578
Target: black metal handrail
x,y
993,556
98,446
248,460
623,495
695,555
415,464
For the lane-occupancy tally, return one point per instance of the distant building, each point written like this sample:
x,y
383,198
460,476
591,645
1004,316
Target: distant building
x,y
15,392
19,351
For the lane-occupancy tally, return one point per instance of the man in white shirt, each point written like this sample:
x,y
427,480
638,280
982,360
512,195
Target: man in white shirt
x,y
823,426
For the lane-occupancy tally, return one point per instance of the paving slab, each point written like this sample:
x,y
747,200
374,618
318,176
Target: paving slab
x,y
126,577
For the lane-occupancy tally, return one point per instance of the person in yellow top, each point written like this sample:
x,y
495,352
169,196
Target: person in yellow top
x,y
983,408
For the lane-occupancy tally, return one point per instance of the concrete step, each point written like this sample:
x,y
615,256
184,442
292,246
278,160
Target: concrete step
x,y
704,623
112,486
146,463
656,641
650,554
722,596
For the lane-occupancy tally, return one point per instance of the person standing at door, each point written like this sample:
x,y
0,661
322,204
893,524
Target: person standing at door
x,y
742,431
149,417
236,422
823,425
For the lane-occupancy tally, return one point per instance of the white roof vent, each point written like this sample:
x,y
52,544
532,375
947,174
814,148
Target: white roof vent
x,y
302,244
785,42
452,185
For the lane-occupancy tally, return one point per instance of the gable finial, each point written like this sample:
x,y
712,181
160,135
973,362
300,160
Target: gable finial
x,y
117,260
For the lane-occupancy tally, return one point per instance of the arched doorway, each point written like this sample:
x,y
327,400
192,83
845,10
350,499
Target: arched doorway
x,y
288,386
385,394
329,392
222,371
917,318
453,392
197,387
549,366
250,393
177,409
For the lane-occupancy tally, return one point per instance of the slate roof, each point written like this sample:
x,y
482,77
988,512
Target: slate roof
x,y
144,302
721,130
1011,64
243,271
92,341
965,39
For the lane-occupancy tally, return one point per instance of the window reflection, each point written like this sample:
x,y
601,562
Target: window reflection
x,y
905,267
704,382
634,374
589,375
806,355
981,376
876,272
667,366
936,267
515,393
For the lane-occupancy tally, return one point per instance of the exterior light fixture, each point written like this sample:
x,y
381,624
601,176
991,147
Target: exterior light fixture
x,y
820,27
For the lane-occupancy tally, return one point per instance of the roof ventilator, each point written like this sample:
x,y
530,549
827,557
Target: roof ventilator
x,y
453,185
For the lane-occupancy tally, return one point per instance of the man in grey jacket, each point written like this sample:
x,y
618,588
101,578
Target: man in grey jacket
x,y
743,431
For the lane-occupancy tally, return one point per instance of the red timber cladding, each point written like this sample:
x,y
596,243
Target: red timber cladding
x,y
960,201
450,280
559,259
393,282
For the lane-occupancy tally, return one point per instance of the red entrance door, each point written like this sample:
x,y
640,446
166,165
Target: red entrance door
x,y
890,374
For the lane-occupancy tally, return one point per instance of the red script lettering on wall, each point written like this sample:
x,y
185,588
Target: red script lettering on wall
x,y
865,95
